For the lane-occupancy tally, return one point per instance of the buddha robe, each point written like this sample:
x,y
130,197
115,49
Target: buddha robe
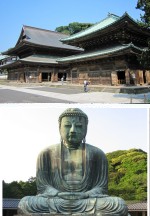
x,y
73,172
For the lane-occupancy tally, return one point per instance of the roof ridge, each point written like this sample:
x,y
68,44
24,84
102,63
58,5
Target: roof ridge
x,y
11,199
126,14
97,23
113,15
37,28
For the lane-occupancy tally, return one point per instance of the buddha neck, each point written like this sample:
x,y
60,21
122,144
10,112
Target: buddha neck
x,y
72,146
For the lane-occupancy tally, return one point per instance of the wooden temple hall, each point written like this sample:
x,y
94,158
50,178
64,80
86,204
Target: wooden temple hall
x,y
105,54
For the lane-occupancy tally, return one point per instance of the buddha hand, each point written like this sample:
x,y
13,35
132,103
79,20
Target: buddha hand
x,y
72,195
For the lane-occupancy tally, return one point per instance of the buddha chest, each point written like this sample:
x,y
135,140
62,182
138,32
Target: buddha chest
x,y
73,165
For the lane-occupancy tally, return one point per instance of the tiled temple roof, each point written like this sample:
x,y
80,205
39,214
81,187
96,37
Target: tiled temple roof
x,y
37,37
44,37
10,203
100,53
33,59
105,26
109,20
40,59
141,206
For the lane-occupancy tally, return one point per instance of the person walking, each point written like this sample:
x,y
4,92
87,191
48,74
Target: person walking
x,y
62,80
85,85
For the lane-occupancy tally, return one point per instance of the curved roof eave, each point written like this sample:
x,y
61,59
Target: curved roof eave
x,y
10,65
99,54
97,27
12,50
54,47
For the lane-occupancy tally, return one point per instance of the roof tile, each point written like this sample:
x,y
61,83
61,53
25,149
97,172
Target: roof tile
x,y
138,206
10,203
45,37
98,53
110,19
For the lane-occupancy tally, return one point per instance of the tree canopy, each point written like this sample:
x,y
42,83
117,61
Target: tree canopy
x,y
73,28
144,5
127,177
128,174
19,189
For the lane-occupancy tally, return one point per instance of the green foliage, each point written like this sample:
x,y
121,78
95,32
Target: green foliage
x,y
63,29
144,59
19,189
128,174
73,28
144,5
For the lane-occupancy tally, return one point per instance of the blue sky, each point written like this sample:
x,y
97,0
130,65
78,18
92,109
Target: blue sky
x,y
50,14
28,128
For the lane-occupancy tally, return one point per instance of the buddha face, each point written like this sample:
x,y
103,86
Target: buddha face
x,y
73,130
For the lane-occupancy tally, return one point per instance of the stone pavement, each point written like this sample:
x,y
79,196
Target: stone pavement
x,y
88,97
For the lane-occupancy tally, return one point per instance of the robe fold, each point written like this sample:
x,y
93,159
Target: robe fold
x,y
51,181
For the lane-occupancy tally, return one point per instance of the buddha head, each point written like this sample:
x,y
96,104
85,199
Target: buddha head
x,y
73,127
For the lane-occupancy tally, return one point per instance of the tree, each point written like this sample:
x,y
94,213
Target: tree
x,y
73,28
19,189
128,174
144,5
12,190
63,29
29,187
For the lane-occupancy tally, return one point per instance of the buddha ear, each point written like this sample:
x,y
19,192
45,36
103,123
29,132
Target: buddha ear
x,y
60,128
85,132
84,140
61,140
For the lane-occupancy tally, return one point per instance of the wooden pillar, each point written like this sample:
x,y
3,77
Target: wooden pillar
x,y
18,76
54,76
69,76
140,75
147,74
25,74
40,76
127,76
114,78
22,77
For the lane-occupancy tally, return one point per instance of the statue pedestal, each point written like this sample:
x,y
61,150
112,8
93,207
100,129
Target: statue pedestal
x,y
57,214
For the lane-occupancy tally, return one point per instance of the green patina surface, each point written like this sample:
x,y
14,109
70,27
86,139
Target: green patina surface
x,y
72,176
102,52
108,21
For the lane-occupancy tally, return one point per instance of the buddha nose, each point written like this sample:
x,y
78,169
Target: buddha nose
x,y
73,129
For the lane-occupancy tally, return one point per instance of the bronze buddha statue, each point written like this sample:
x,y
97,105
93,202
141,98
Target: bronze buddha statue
x,y
72,177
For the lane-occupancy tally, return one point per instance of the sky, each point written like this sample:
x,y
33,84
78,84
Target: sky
x,y
48,14
26,129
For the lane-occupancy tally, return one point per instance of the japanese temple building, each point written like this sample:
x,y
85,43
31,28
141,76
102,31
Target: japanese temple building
x,y
111,48
105,54
36,52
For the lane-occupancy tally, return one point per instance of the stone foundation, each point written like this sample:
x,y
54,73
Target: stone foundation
x,y
46,214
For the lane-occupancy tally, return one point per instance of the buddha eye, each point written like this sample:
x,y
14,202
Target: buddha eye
x,y
67,124
78,125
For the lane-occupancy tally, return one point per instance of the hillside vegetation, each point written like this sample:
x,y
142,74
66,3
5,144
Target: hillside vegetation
x,y
128,174
127,177
73,28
